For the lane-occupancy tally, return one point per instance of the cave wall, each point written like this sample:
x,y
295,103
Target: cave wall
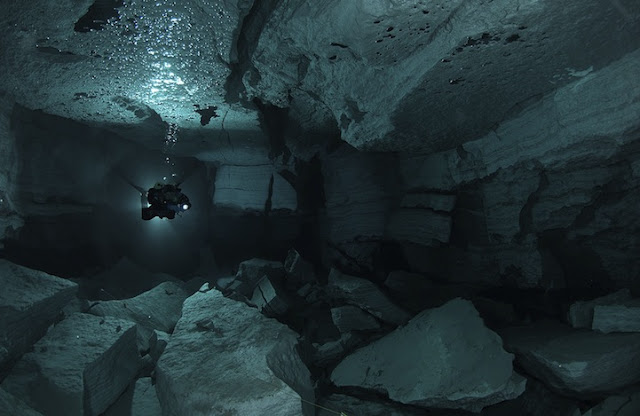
x,y
10,220
549,198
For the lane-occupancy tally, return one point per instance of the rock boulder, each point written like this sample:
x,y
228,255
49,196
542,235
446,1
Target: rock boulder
x,y
366,295
30,301
578,363
444,358
224,357
80,367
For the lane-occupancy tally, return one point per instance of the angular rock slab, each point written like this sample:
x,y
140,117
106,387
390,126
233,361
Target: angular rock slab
x,y
621,405
443,357
581,312
574,362
251,271
30,301
616,318
11,405
158,308
80,367
537,400
349,318
145,399
336,403
218,362
366,295
269,298
299,271
332,351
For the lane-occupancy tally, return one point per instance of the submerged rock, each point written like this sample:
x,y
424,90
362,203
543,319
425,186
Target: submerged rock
x,y
251,271
581,312
299,271
366,295
349,405
81,366
577,363
145,400
269,298
30,301
226,358
251,187
617,318
618,405
11,405
349,318
443,357
158,308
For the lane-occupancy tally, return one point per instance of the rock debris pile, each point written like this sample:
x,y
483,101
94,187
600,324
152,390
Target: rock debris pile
x,y
289,338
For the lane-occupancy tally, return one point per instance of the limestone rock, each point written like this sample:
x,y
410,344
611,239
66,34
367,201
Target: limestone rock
x,y
537,400
616,318
158,308
145,400
81,366
435,202
158,347
530,136
269,298
336,403
299,271
329,352
406,283
222,283
350,318
12,406
576,362
286,364
618,405
30,301
358,256
504,196
10,220
420,226
250,187
365,295
581,313
217,362
358,192
443,357
251,271
565,194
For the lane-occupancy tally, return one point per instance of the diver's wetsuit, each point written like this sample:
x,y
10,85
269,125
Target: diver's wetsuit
x,y
165,200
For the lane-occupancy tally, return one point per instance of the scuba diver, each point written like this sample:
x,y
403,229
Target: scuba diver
x,y
165,200
162,201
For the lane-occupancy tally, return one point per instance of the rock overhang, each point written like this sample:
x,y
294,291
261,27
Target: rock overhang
x,y
392,76
148,64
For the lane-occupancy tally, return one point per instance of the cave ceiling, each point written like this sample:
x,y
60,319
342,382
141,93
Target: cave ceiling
x,y
391,75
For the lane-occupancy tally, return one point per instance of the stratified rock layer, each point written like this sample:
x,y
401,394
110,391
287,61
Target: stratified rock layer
x,y
250,187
